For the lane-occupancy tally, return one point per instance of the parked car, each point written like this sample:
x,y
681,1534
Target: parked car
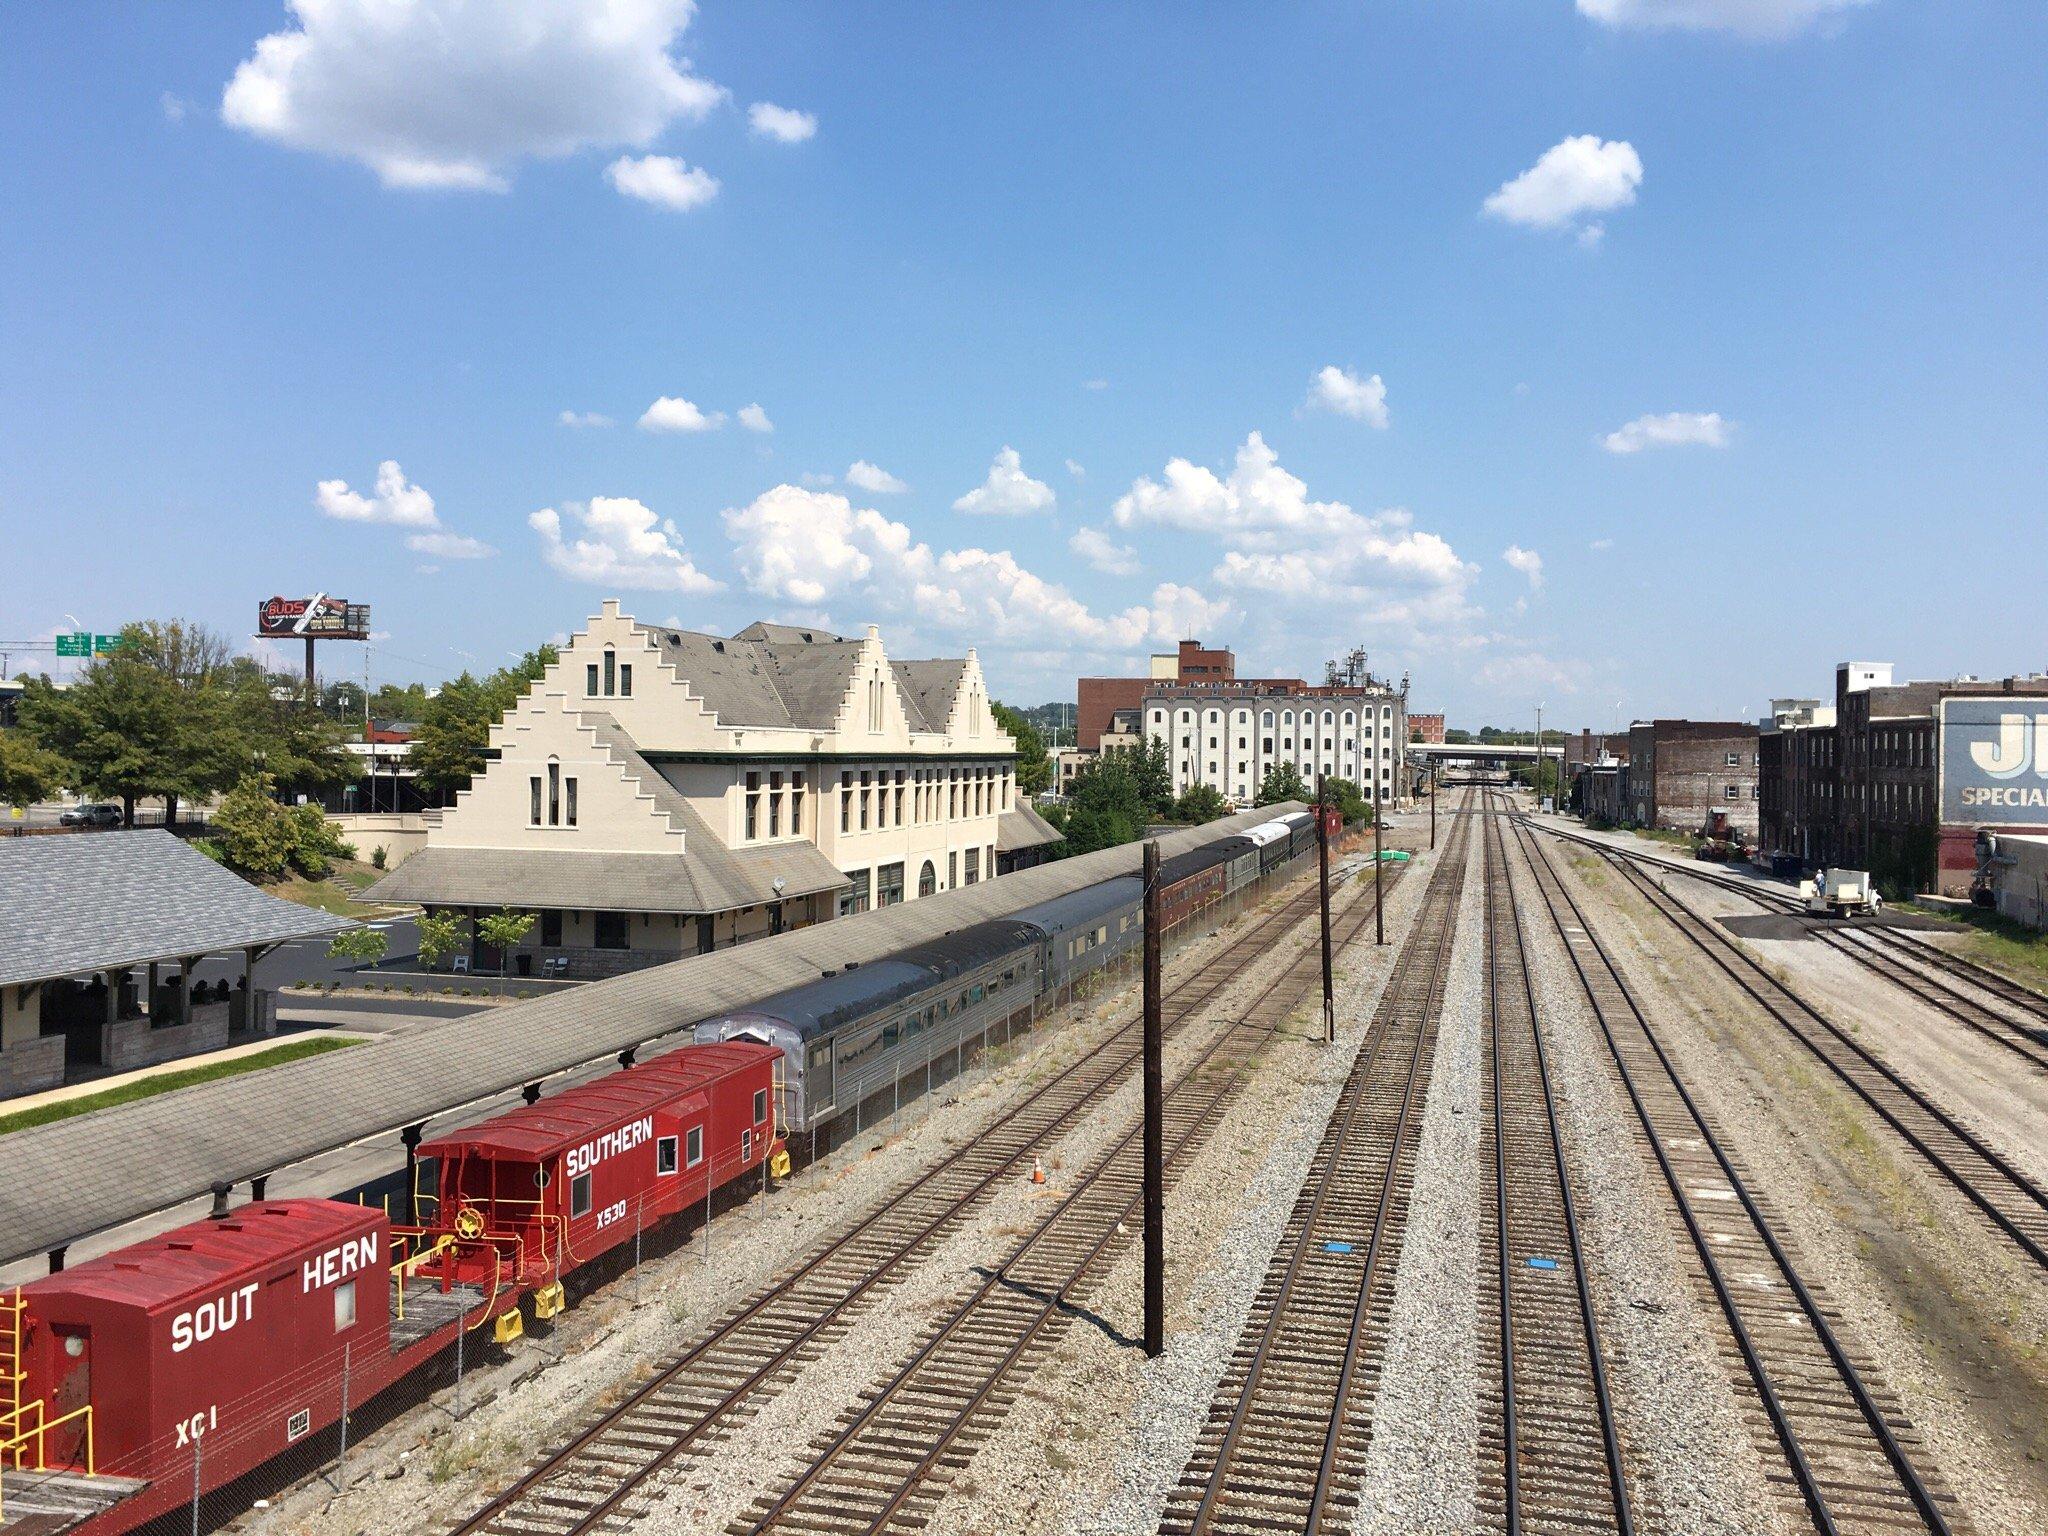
x,y
101,815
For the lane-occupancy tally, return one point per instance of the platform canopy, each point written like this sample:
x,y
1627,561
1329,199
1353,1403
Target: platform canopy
x,y
101,901
76,1177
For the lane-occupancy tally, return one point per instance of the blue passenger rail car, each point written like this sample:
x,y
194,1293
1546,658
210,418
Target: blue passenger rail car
x,y
856,1032
1085,930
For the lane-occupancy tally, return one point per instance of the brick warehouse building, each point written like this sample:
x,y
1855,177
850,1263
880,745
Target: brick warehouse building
x,y
1427,729
1679,770
1865,789
1100,699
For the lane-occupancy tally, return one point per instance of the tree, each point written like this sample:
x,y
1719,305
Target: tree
x,y
300,748
503,930
28,773
1152,772
1348,798
130,728
359,943
1034,768
1104,809
391,702
255,836
1282,782
455,727
1200,803
440,934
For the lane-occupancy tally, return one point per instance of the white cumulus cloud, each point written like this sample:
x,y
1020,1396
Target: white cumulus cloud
x,y
1344,393
395,500
621,544
454,93
1580,176
873,479
1102,552
1747,18
672,413
398,502
785,125
1528,562
1673,429
583,419
754,419
1007,492
806,546
662,180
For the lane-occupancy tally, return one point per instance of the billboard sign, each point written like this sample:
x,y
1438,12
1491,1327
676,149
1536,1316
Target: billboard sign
x,y
318,617
1994,761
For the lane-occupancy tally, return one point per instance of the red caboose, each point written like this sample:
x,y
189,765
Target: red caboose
x,y
229,1331
529,1195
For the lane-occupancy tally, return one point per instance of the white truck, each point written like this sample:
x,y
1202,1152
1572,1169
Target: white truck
x,y
1840,893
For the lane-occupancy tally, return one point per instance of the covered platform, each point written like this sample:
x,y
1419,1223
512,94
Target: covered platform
x,y
97,1171
102,932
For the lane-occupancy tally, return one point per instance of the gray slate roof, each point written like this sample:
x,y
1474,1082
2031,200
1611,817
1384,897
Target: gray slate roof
x,y
79,1176
1022,827
96,900
790,676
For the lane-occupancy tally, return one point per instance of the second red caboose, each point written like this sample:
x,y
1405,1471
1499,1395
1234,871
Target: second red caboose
x,y
529,1195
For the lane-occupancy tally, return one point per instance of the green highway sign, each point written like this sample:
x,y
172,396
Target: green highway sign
x,y
74,645
105,644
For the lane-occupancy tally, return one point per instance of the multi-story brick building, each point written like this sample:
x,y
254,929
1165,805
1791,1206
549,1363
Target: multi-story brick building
x,y
1680,770
1227,734
1427,729
1860,785
1101,699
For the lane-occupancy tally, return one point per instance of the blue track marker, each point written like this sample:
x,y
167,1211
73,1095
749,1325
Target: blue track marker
x,y
1543,1263
1336,1248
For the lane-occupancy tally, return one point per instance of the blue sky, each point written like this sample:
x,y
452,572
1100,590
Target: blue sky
x,y
1107,238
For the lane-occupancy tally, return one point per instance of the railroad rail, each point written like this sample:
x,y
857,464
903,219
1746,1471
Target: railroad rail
x,y
890,1458
1550,1450
1284,1445
2002,1191
1851,1460
1949,984
756,1348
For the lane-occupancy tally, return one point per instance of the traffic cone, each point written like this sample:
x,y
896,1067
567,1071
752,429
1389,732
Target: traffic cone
x,y
1037,1171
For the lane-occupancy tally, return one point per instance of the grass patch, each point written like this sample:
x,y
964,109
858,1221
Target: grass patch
x,y
332,895
1665,835
1996,940
166,1082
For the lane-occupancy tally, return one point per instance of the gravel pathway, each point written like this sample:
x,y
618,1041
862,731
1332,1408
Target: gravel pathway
x,y
1420,1472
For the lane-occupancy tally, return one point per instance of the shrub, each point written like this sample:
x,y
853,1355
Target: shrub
x,y
377,856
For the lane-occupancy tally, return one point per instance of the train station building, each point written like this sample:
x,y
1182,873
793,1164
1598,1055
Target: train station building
x,y
661,793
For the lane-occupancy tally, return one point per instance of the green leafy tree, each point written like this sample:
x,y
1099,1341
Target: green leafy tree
x,y
1151,771
272,731
1104,809
28,772
392,702
1200,803
1282,781
130,729
503,930
441,935
361,943
454,739
315,844
1034,768
255,836
1348,798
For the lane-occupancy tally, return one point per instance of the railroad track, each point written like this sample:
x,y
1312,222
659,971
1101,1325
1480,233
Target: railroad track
x,y
1980,999
1851,1462
756,1348
1550,1454
890,1459
1284,1445
2000,1190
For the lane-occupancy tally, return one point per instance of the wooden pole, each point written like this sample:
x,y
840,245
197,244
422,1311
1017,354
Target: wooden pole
x,y
1379,910
1155,1172
1323,876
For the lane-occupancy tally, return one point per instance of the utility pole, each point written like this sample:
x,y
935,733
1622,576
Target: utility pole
x,y
1155,1171
1432,810
1323,871
1379,907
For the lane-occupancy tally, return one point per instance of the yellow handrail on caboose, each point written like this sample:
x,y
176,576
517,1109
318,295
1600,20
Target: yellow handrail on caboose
x,y
24,1426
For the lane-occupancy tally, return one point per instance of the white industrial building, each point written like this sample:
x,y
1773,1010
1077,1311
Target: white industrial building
x,y
1226,735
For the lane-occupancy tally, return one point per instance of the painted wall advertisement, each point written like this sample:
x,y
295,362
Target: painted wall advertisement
x,y
1994,761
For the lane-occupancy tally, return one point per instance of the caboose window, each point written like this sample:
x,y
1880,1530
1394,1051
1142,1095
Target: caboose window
x,y
665,1155
746,1145
344,1306
760,1105
579,1195
694,1146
